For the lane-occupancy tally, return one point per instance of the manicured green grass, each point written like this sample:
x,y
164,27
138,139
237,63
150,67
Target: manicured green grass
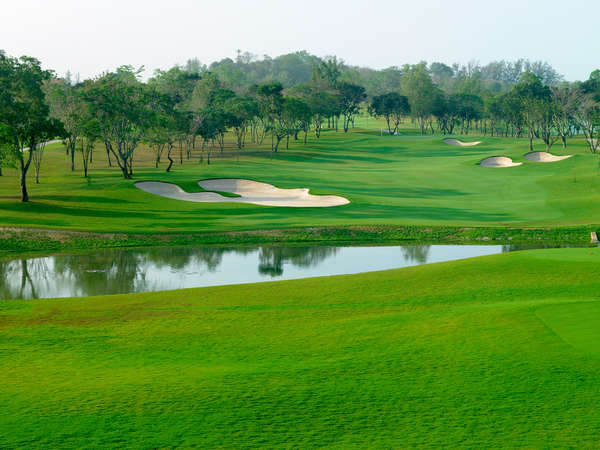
x,y
390,180
491,352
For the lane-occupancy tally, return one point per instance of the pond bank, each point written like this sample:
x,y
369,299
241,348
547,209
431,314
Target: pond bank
x,y
18,240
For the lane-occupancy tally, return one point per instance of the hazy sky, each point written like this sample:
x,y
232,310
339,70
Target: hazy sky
x,y
90,36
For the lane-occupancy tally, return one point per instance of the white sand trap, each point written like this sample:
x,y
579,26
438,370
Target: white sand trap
x,y
250,192
460,143
499,161
545,157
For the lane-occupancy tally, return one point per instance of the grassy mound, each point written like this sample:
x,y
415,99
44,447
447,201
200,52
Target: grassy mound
x,y
499,351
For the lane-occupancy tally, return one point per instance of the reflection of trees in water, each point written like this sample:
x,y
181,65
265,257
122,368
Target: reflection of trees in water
x,y
180,257
122,271
23,278
416,253
101,272
532,246
272,259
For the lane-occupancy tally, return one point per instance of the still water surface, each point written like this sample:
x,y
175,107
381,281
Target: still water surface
x,y
153,269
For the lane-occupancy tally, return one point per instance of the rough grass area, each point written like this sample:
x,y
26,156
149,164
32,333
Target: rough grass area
x,y
389,180
471,353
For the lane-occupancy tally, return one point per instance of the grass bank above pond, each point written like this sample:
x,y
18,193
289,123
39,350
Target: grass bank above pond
x,y
498,351
390,180
15,240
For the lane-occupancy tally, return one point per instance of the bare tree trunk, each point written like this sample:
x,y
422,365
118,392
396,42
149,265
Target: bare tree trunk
x,y
108,153
24,194
169,157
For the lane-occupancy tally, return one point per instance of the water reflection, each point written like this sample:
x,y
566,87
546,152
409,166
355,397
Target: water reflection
x,y
272,259
149,269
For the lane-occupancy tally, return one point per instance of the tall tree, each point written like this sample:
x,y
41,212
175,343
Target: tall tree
x,y
418,86
587,112
65,106
243,110
351,96
392,107
535,99
24,114
122,105
565,100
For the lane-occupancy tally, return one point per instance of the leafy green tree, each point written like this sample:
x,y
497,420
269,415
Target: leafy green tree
x,y
351,97
296,117
24,114
270,103
329,70
392,107
469,108
65,106
6,157
587,111
213,127
535,100
123,107
565,100
421,92
441,73
162,131
445,110
243,110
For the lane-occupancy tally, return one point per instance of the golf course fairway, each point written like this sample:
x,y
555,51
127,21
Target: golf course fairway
x,y
389,180
489,352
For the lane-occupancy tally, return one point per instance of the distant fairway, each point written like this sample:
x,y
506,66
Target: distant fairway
x,y
407,179
497,351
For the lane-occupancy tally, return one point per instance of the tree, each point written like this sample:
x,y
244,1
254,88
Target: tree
x,y
446,111
24,114
564,98
392,107
441,73
270,103
296,117
329,70
89,135
243,110
351,96
122,105
469,108
587,112
213,126
420,91
65,106
535,101
6,157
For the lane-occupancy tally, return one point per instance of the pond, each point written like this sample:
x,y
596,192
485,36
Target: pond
x,y
162,268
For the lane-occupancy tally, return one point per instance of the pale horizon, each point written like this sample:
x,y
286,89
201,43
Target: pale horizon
x,y
91,37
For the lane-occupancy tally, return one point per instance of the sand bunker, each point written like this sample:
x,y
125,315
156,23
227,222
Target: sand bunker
x,y
460,143
545,157
250,192
498,161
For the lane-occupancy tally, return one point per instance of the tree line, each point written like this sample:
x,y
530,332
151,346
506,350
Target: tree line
x,y
188,109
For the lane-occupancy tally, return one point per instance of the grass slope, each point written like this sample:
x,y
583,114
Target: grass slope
x,y
472,353
390,180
